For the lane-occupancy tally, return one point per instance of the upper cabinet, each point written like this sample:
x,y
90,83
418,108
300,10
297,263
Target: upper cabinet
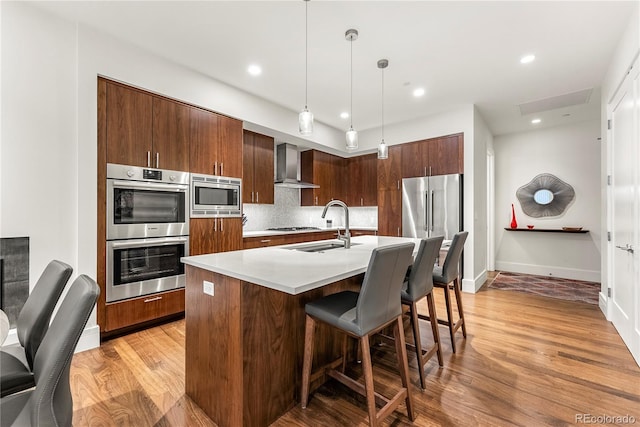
x,y
390,170
257,168
145,130
215,144
435,156
325,170
361,176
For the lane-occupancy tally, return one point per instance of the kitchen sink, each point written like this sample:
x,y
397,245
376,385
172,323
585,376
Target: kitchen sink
x,y
319,247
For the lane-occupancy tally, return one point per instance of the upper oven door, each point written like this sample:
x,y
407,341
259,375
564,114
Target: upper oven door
x,y
146,209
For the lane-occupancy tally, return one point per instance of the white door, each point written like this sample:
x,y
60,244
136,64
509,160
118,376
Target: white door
x,y
625,295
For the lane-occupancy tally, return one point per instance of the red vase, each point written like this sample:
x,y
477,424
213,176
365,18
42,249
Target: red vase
x,y
514,223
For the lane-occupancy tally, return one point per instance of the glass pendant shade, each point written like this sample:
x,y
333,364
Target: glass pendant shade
x,y
305,122
383,151
352,139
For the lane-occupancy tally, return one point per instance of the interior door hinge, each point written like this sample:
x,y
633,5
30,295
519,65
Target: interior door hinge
x,y
608,179
609,124
608,236
608,292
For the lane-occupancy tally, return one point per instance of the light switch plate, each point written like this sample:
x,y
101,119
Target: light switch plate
x,y
207,287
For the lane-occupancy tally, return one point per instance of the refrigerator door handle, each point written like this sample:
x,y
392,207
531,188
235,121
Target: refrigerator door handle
x,y
426,212
432,210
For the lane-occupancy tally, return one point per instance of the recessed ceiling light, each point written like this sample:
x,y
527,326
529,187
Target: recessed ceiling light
x,y
418,92
536,121
254,70
527,59
344,115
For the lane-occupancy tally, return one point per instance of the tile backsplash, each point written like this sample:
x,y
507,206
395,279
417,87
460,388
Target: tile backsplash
x,y
287,212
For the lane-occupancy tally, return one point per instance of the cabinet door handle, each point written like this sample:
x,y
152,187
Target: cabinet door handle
x,y
316,200
215,168
398,231
221,168
265,241
252,197
157,160
257,197
361,202
215,224
221,225
148,159
152,299
398,182
425,171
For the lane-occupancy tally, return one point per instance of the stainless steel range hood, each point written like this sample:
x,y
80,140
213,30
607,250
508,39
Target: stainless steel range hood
x,y
287,170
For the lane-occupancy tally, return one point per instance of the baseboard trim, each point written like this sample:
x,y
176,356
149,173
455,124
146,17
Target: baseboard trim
x,y
89,339
602,303
473,285
546,270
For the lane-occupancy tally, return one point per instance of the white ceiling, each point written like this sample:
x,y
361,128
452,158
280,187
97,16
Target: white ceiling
x,y
459,52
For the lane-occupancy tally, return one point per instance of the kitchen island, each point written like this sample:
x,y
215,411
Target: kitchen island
x,y
245,336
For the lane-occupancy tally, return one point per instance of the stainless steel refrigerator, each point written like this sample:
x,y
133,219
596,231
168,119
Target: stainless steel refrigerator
x,y
432,206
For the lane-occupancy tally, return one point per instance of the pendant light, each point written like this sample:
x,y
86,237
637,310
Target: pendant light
x,y
305,119
383,150
352,135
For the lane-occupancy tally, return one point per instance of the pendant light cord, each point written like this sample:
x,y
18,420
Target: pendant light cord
x,y
383,105
351,81
306,51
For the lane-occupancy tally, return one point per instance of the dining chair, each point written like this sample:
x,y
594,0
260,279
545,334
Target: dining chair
x,y
360,314
446,276
16,360
50,402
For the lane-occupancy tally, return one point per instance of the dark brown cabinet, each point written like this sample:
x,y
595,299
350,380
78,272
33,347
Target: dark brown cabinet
x,y
390,212
257,168
215,144
325,170
390,170
147,308
361,178
435,156
211,235
146,130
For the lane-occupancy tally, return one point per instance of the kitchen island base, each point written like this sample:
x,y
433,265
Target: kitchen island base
x,y
245,344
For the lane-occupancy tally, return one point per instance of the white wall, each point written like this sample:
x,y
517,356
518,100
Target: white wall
x,y
572,153
482,141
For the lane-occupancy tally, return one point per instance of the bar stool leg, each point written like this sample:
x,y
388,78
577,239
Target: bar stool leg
x,y
403,364
417,342
309,334
343,368
368,380
456,289
434,326
447,299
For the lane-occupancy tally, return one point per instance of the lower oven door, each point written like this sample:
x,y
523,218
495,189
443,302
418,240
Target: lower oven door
x,y
145,266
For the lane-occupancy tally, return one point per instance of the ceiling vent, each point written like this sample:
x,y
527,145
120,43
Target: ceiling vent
x,y
555,102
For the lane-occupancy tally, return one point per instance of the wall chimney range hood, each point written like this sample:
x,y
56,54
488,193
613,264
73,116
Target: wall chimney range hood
x,y
287,170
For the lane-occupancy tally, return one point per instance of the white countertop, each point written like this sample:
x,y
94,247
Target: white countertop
x,y
294,271
257,233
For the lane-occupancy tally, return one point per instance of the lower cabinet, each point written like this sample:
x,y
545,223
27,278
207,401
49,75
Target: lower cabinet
x,y
288,239
211,235
131,312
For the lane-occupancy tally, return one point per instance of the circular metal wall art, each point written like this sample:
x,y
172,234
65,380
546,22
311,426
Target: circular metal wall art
x,y
545,195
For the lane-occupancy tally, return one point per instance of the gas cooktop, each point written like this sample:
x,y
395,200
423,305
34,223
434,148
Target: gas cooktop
x,y
292,228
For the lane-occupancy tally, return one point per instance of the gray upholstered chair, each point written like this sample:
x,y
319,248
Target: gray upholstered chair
x,y
50,402
16,361
418,285
358,315
448,275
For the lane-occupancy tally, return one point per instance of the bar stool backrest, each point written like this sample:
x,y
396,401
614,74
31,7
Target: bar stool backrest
x,y
420,281
379,299
451,263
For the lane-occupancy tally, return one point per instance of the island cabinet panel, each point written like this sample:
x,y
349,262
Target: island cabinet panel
x,y
390,170
134,311
215,144
257,168
325,170
214,343
129,123
361,178
390,212
211,235
244,347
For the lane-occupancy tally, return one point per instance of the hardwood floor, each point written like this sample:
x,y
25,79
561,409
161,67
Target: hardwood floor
x,y
527,360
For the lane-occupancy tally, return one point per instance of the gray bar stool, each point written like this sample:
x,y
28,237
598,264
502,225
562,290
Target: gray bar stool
x,y
359,315
443,277
419,284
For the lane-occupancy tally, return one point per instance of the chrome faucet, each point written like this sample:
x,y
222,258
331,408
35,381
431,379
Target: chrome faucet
x,y
347,235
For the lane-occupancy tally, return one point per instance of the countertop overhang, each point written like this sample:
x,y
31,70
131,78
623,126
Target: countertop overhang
x,y
293,271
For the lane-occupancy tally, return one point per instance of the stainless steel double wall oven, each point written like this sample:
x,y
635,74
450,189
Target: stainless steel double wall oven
x,y
147,230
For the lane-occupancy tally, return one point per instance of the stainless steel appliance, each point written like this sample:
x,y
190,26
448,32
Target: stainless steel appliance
x,y
215,196
432,206
144,266
145,202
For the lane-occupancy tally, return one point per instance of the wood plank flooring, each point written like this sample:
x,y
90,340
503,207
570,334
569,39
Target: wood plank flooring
x,y
527,361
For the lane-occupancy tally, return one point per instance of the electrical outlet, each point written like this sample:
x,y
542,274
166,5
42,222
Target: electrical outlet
x,y
207,287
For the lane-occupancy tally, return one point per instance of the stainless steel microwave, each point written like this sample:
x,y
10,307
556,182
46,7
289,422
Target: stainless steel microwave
x,y
215,196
